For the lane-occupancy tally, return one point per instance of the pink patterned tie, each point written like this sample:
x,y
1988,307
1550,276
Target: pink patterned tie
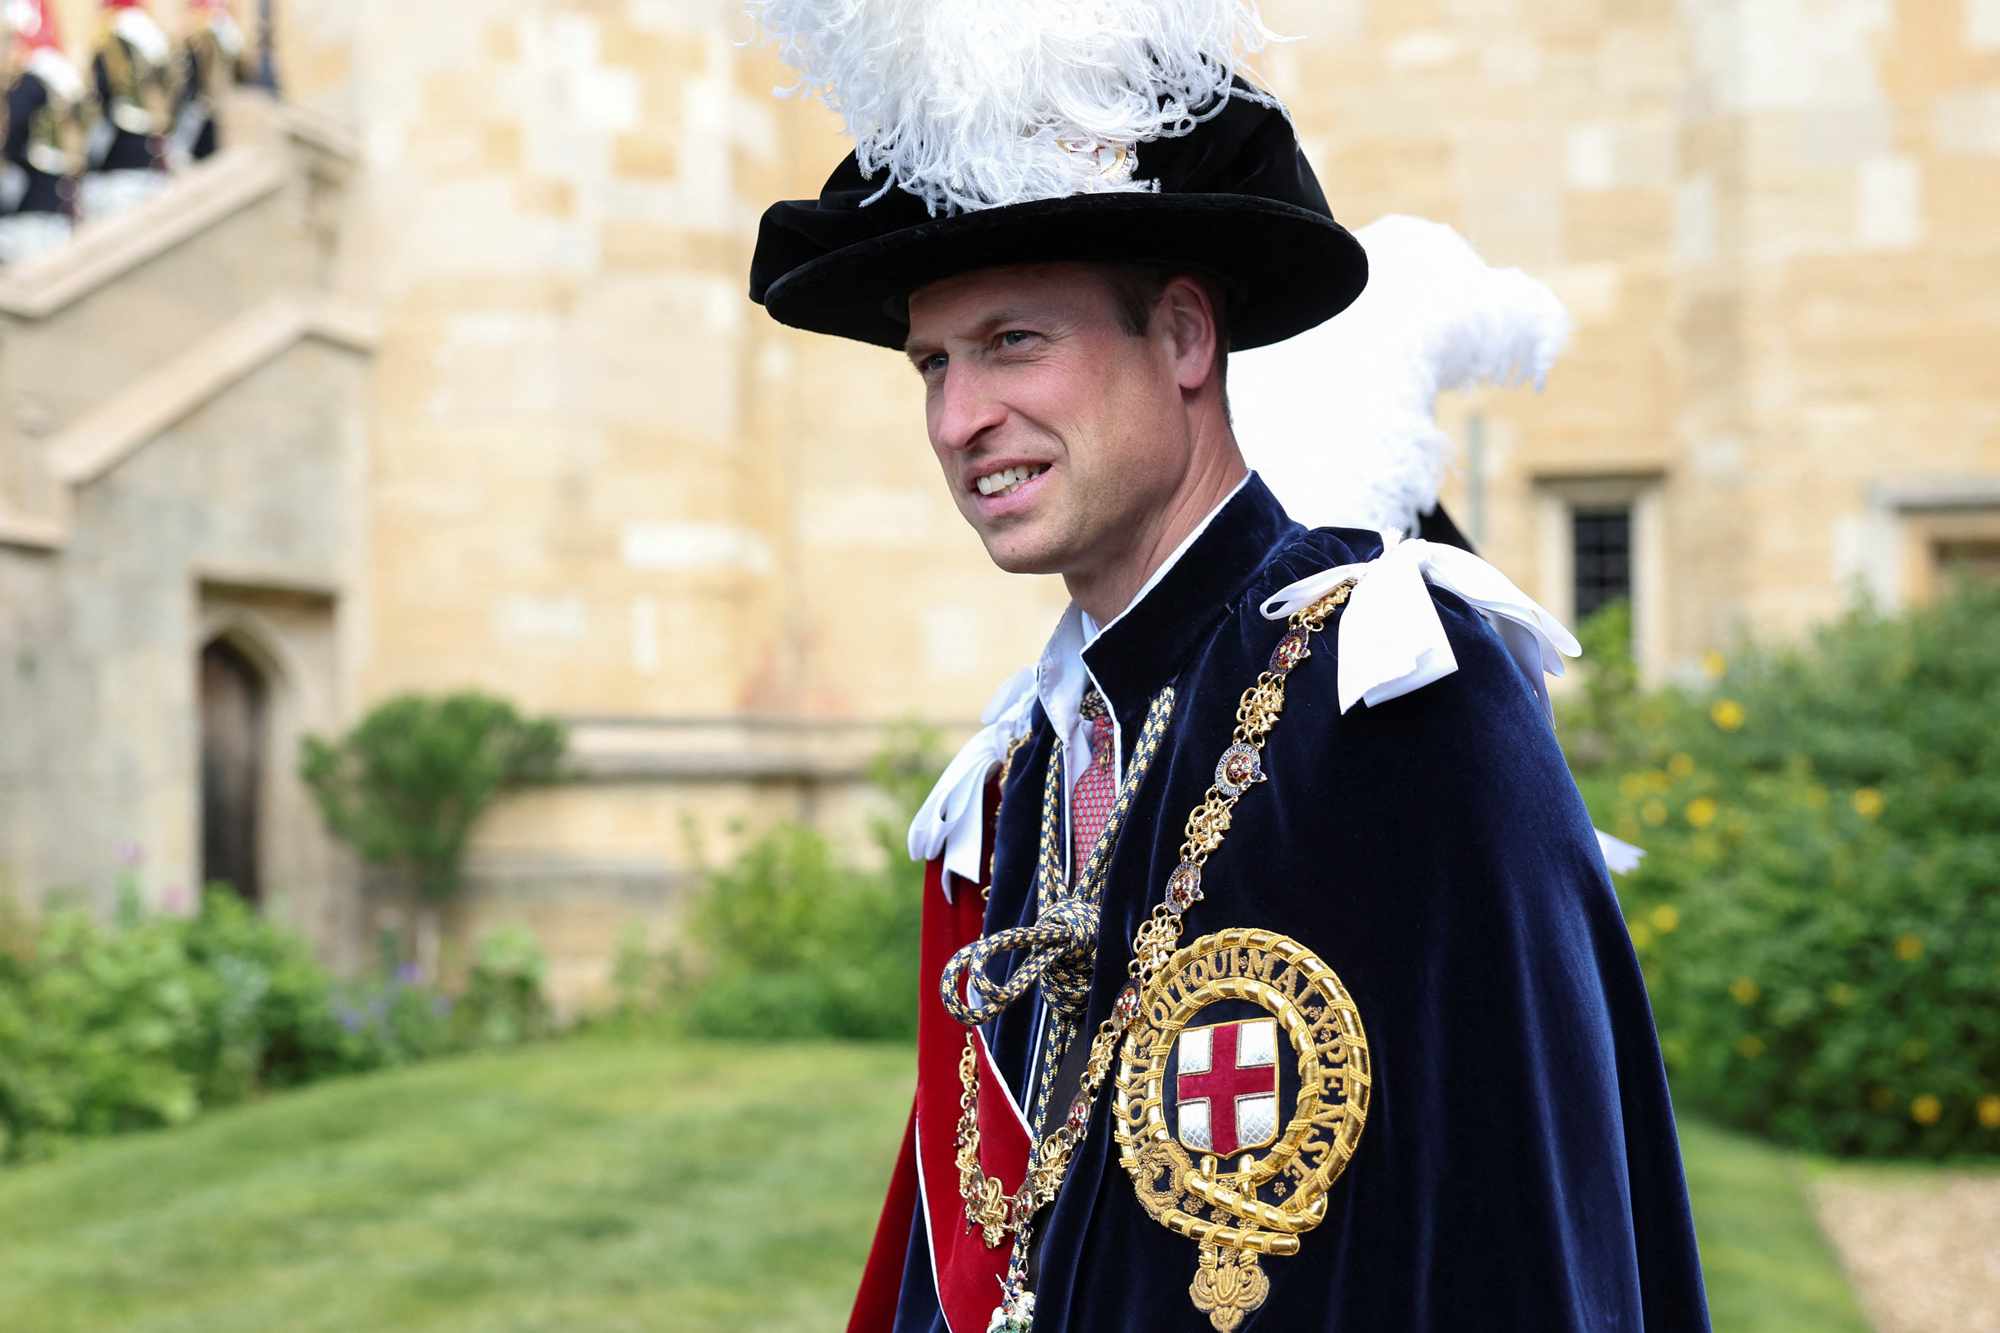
x,y
1090,801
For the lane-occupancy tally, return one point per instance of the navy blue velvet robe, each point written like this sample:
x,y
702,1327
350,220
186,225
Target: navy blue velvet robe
x,y
1519,1169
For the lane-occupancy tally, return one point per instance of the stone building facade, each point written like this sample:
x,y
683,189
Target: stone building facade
x,y
182,534
595,479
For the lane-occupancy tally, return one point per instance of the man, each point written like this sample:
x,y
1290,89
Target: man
x,y
134,75
214,58
1272,977
46,129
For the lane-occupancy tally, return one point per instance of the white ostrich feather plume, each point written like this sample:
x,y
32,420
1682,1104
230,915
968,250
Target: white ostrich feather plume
x,y
973,104
1341,420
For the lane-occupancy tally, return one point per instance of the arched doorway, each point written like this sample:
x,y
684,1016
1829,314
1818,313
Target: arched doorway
x,y
234,719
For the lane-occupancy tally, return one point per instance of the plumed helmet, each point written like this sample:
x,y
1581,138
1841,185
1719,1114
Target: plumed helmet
x,y
33,24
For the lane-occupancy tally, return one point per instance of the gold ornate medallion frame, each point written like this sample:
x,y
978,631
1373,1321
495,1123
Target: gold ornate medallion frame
x,y
1259,1203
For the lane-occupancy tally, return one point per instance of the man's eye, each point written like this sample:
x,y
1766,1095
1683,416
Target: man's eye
x,y
1015,338
930,365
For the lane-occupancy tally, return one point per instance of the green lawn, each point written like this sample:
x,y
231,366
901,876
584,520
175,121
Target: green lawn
x,y
601,1185
1769,1268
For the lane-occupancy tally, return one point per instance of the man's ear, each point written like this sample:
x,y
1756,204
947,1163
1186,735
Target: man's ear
x,y
1187,318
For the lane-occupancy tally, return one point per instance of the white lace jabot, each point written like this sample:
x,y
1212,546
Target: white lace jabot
x,y
951,819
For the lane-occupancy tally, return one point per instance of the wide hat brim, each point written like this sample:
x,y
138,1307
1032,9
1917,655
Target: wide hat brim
x,y
1236,200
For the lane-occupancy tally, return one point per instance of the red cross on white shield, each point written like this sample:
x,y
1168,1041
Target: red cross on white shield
x,y
1226,1086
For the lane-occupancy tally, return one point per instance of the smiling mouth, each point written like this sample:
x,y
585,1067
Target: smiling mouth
x,y
1007,480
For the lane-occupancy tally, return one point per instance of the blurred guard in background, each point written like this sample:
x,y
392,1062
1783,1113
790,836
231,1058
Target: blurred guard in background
x,y
215,59
134,72
47,124
1272,979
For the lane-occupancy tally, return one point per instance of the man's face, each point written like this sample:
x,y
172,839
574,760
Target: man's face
x,y
1061,435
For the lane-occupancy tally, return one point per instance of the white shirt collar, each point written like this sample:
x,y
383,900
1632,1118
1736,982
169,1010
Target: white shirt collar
x,y
1061,676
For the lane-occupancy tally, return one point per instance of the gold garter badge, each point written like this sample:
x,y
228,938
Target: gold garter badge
x,y
1199,1162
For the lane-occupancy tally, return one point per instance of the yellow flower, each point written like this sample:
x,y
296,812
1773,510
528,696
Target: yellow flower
x,y
1701,811
1681,765
1654,813
1642,936
1867,802
1925,1109
1744,991
1714,664
1632,786
1841,994
1750,1047
1989,1111
1727,714
1909,948
1665,918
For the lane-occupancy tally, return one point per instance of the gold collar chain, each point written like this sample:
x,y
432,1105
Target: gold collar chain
x,y
988,1206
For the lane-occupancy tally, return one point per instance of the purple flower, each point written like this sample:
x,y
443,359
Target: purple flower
x,y
350,1019
175,899
130,853
409,974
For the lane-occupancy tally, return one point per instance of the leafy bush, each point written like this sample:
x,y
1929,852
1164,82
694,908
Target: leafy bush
x,y
801,945
145,1021
504,1000
95,1032
407,784
1819,913
795,942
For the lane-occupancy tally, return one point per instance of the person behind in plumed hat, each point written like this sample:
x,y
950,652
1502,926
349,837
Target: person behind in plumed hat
x,y
214,58
1271,973
47,124
133,70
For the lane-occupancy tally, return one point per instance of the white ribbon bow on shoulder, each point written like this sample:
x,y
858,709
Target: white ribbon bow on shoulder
x,y
952,818
1391,640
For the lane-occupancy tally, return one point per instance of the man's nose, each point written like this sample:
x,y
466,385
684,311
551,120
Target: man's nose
x,y
965,408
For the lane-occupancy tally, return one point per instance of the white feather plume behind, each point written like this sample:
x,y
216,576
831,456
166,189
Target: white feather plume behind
x,y
977,103
1341,420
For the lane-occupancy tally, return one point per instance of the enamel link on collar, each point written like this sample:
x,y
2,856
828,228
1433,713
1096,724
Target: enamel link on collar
x,y
987,1204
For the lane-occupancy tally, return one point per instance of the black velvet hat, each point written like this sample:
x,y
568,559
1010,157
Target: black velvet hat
x,y
1235,199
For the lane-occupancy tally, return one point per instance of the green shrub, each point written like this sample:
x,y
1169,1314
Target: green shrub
x,y
95,1031
1819,913
504,1001
145,1021
268,1017
794,941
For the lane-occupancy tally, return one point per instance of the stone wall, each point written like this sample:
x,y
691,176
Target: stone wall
x,y
229,524
183,417
603,484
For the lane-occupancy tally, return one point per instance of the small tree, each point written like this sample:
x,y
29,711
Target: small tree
x,y
405,787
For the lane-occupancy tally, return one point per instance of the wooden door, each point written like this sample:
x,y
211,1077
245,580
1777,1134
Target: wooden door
x,y
233,724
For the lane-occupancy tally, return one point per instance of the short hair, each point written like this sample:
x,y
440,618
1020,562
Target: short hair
x,y
1137,288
